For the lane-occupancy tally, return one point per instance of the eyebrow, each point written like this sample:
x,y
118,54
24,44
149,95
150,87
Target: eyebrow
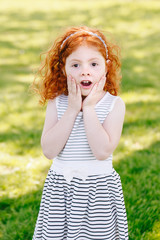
x,y
77,60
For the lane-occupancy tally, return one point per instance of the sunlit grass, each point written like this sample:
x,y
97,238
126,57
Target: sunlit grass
x,y
28,28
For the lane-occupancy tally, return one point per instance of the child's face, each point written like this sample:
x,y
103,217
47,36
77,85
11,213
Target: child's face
x,y
86,65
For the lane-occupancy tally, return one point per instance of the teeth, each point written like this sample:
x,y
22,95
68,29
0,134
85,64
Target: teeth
x,y
86,81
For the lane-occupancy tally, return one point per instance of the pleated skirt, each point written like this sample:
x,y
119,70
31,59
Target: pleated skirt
x,y
90,209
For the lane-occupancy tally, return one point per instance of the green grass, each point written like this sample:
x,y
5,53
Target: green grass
x,y
27,29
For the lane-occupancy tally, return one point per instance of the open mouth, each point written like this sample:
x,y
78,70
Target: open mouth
x,y
86,83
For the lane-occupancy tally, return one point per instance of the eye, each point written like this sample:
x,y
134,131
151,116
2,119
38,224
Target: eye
x,y
94,64
75,65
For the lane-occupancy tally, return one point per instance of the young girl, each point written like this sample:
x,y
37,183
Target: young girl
x,y
82,197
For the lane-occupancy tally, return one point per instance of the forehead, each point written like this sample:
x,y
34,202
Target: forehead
x,y
85,52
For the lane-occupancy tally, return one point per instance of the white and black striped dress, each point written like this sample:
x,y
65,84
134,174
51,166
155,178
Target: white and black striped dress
x,y
78,206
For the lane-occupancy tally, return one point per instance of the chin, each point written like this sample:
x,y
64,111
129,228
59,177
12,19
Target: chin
x,y
85,93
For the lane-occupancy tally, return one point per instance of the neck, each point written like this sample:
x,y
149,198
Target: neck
x,y
83,97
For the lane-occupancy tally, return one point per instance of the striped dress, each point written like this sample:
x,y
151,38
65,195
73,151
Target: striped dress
x,y
82,197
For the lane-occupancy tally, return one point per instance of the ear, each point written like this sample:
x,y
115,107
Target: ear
x,y
108,63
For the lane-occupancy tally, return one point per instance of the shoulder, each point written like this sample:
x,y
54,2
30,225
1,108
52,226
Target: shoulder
x,y
116,113
119,105
51,107
116,104
115,119
51,103
56,100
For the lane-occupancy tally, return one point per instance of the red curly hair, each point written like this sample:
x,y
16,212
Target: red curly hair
x,y
53,80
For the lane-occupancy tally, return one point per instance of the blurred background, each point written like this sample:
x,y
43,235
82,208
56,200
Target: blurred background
x,y
27,29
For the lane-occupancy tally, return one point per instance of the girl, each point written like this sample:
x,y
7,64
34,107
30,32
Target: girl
x,y
82,197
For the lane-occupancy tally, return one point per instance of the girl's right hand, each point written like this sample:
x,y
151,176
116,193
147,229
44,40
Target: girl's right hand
x,y
74,95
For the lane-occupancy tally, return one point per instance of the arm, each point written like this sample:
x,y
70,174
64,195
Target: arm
x,y
56,133
103,139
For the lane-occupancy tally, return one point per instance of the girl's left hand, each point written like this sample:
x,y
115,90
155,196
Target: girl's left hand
x,y
95,94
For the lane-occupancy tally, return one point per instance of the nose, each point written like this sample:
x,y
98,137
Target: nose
x,y
85,72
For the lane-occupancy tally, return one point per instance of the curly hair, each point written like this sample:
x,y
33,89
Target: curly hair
x,y
53,80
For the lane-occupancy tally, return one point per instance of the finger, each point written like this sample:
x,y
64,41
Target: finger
x,y
101,83
69,83
94,88
78,90
73,86
102,79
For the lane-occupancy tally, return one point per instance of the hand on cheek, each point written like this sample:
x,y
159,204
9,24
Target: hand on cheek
x,y
95,94
101,83
74,95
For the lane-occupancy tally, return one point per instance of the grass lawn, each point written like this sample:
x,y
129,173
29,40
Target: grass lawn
x,y
28,28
